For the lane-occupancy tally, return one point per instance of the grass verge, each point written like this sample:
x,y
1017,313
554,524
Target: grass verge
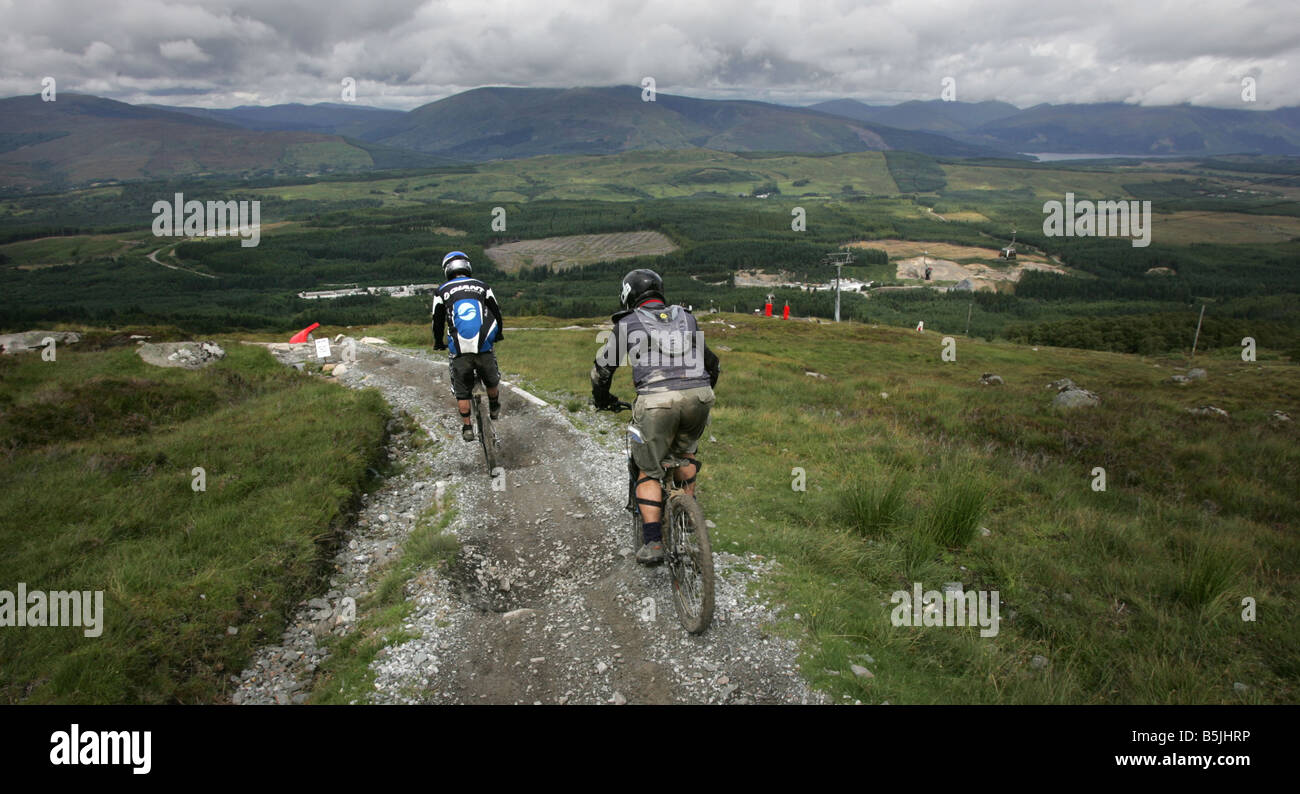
x,y
346,676
100,462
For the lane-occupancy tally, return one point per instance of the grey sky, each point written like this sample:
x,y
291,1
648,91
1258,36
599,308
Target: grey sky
x,y
404,53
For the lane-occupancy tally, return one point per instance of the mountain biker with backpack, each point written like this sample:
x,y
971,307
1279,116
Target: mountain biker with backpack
x,y
674,373
473,323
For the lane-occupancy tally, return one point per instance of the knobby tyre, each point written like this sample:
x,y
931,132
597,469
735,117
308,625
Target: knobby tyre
x,y
690,559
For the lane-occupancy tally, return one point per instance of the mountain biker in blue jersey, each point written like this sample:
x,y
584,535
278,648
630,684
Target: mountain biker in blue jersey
x,y
674,373
473,323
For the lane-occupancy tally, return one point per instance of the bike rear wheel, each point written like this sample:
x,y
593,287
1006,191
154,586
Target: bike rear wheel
x,y
690,560
486,436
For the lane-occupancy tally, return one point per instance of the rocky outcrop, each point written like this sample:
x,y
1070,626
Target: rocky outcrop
x,y
1070,396
29,341
1075,398
187,355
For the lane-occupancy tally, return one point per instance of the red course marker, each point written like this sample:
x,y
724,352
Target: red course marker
x,y
301,336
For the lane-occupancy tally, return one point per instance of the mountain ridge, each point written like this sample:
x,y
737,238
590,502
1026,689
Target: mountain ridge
x,y
81,139
1093,128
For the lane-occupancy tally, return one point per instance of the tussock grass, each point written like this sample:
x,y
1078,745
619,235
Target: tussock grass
x,y
953,516
1205,579
874,503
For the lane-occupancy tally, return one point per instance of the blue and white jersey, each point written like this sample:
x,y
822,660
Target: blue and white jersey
x,y
472,316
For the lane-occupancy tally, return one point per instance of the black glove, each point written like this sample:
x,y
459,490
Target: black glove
x,y
613,404
500,335
605,402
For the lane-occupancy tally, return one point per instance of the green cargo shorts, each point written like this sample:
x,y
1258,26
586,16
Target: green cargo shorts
x,y
666,426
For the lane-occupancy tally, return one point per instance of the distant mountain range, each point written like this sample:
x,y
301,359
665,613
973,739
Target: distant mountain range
x,y
494,123
326,118
937,116
79,140
1106,128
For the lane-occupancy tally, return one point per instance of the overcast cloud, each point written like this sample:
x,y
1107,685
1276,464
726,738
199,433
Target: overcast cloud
x,y
404,53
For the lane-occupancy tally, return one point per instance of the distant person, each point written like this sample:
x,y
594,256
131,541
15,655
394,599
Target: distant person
x,y
674,383
470,334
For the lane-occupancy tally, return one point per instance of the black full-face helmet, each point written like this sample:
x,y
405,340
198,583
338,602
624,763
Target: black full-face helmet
x,y
640,285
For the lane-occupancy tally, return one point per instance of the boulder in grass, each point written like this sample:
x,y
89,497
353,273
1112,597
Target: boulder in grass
x,y
1061,385
1208,410
1196,374
989,379
1075,398
30,341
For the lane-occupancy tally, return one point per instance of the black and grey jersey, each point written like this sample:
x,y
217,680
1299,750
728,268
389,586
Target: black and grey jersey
x,y
664,346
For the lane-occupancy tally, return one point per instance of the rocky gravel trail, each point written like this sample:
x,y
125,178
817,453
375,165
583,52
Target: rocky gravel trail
x,y
544,603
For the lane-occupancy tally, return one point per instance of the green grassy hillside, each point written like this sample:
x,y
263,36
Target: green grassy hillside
x,y
97,455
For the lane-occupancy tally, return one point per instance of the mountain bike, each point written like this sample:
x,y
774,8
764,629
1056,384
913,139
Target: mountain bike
x,y
687,550
487,434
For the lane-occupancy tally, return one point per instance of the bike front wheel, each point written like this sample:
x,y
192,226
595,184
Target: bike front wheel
x,y
690,560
